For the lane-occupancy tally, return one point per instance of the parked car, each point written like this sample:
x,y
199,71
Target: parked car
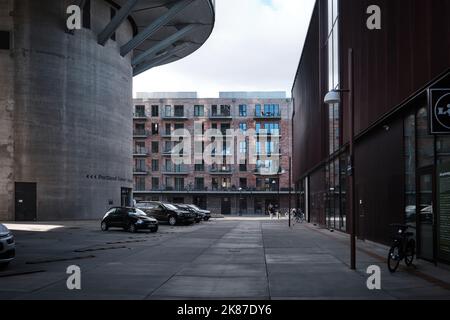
x,y
130,219
7,246
166,212
199,216
206,213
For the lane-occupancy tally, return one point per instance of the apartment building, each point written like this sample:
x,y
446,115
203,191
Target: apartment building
x,y
229,154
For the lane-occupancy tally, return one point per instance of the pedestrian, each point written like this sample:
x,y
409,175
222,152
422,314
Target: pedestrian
x,y
270,209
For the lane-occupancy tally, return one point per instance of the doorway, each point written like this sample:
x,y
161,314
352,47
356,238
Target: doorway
x,y
425,214
226,206
25,201
125,198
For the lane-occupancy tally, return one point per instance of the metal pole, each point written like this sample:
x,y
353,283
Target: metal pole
x,y
290,189
352,159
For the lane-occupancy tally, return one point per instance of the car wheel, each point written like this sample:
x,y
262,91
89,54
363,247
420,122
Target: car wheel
x,y
132,228
104,226
172,221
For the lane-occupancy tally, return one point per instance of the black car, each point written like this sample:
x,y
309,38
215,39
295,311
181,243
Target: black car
x,y
205,213
199,216
130,219
166,212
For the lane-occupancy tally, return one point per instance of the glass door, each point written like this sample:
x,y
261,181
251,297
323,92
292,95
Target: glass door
x,y
426,214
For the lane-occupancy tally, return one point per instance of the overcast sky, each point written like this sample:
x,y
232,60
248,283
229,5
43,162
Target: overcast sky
x,y
255,46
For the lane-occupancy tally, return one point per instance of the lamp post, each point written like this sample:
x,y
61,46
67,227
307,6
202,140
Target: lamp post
x,y
334,97
239,202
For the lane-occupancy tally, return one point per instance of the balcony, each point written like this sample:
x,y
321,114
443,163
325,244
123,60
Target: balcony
x,y
222,115
177,116
140,134
140,116
140,171
267,172
268,134
268,115
176,170
140,152
221,170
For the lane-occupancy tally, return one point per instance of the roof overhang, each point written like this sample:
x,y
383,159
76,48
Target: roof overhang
x,y
164,30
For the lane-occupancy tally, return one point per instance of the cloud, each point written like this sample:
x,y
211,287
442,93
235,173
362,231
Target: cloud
x,y
255,46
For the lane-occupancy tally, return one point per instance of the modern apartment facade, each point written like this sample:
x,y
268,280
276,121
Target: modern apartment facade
x,y
66,97
400,83
236,150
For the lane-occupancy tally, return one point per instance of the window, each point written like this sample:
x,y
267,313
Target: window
x,y
243,167
139,111
179,111
179,126
243,127
139,183
214,126
200,167
155,165
87,14
258,110
243,183
199,111
410,169
169,183
271,110
155,183
155,128
242,110
155,111
168,111
243,147
139,148
179,184
139,166
199,183
155,147
332,44
5,40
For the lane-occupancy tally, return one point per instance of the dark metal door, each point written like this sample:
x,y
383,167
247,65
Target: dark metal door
x,y
226,206
25,205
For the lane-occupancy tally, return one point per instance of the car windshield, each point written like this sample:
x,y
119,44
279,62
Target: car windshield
x,y
195,207
170,206
138,213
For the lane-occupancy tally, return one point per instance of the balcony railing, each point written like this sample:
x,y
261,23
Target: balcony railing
x,y
140,171
268,115
176,170
226,169
220,115
175,116
140,133
140,152
140,115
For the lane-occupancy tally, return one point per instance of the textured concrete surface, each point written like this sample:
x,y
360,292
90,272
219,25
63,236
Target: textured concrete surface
x,y
229,258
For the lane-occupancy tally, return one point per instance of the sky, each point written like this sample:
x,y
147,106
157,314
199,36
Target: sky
x,y
255,46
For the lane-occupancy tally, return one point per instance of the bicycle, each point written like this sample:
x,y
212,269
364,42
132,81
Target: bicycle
x,y
299,217
403,248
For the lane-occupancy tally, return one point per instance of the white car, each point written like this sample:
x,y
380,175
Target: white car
x,y
7,246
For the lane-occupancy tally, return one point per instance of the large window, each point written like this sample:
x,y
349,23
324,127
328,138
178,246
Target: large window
x,y
243,110
199,111
332,44
410,169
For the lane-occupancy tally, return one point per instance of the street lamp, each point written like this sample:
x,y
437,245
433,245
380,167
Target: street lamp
x,y
334,97
240,199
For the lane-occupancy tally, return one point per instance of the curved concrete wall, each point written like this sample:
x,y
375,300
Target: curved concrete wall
x,y
73,112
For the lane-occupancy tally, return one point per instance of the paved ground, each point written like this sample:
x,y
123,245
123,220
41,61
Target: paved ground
x,y
223,259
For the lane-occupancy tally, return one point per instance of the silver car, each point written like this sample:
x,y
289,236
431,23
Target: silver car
x,y
7,246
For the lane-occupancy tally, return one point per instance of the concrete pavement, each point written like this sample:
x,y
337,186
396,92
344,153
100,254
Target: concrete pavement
x,y
240,258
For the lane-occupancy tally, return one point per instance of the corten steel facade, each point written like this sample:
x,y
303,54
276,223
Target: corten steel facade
x,y
229,187
400,167
66,98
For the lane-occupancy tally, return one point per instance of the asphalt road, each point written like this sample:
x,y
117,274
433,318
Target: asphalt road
x,y
222,259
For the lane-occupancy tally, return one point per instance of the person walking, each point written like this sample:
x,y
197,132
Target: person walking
x,y
270,210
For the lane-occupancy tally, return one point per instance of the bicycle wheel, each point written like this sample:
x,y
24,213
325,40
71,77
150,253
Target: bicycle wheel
x,y
410,252
394,258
